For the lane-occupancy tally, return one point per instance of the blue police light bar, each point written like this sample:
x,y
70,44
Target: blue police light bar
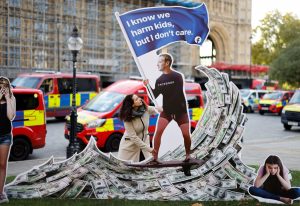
x,y
185,3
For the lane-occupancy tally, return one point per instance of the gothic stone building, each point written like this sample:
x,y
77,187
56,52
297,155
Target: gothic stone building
x,y
33,36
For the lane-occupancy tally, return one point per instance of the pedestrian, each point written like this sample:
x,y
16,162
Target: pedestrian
x,y
171,85
135,143
272,182
7,114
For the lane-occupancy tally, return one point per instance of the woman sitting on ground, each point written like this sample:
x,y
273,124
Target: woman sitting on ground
x,y
272,182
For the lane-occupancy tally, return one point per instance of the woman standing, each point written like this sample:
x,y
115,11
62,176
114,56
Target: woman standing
x,y
7,114
135,141
272,182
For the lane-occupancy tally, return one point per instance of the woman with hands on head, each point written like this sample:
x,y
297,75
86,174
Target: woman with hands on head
x,y
135,142
272,182
7,114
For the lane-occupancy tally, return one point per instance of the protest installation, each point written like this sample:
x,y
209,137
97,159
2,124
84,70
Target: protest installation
x,y
216,141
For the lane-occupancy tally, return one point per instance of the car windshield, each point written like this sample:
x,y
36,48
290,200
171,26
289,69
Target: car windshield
x,y
104,102
296,98
244,93
275,95
28,82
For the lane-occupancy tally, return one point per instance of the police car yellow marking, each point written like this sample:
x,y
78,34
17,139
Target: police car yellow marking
x,y
57,100
267,101
292,108
279,104
108,126
34,117
92,95
196,113
52,100
78,99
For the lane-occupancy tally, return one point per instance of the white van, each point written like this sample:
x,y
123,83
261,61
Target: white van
x,y
250,99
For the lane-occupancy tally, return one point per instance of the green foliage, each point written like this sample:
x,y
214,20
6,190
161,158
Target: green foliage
x,y
277,31
9,179
286,67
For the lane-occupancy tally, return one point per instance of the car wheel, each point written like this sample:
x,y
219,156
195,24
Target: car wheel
x,y
261,112
113,142
287,127
20,149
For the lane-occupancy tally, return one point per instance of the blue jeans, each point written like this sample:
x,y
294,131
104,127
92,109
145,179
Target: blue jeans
x,y
292,193
6,139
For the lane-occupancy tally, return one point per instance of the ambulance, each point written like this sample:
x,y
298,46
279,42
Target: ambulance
x,y
99,117
57,89
250,99
29,125
290,115
274,102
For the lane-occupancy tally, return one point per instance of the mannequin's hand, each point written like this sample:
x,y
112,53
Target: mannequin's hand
x,y
159,109
146,82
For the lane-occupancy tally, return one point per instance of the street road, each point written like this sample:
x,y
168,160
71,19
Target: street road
x,y
264,135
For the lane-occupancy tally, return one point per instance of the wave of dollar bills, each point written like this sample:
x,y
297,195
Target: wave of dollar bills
x,y
216,140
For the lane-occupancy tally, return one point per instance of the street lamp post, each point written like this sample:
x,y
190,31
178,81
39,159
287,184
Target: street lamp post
x,y
74,44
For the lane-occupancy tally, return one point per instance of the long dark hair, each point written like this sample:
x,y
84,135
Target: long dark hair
x,y
126,113
126,109
273,159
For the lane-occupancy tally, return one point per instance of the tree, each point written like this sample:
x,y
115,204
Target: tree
x,y
286,67
276,31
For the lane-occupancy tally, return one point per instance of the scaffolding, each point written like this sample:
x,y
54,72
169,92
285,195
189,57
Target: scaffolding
x,y
34,34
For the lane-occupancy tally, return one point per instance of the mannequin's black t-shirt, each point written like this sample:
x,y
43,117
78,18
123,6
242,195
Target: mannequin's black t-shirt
x,y
171,87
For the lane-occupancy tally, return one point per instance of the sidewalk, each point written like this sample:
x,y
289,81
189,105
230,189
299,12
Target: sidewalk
x,y
15,168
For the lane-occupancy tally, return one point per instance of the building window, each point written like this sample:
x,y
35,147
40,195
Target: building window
x,y
70,7
41,30
41,5
40,59
92,9
14,27
92,35
14,56
208,53
67,31
14,3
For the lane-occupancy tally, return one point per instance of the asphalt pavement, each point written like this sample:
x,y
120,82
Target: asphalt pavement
x,y
264,135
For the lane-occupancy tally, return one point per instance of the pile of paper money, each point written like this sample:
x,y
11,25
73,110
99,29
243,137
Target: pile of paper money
x,y
216,140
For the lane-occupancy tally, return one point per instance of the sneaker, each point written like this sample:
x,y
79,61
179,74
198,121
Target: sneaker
x,y
3,198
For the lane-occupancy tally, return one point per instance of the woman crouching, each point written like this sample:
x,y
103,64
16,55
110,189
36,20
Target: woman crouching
x,y
135,143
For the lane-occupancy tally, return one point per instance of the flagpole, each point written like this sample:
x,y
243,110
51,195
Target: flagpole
x,y
135,58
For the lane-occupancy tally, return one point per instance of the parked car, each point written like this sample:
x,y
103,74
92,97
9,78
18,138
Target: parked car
x,y
250,99
290,115
57,89
99,117
29,125
274,102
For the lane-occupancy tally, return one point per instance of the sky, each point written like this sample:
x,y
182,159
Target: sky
x,y
261,7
